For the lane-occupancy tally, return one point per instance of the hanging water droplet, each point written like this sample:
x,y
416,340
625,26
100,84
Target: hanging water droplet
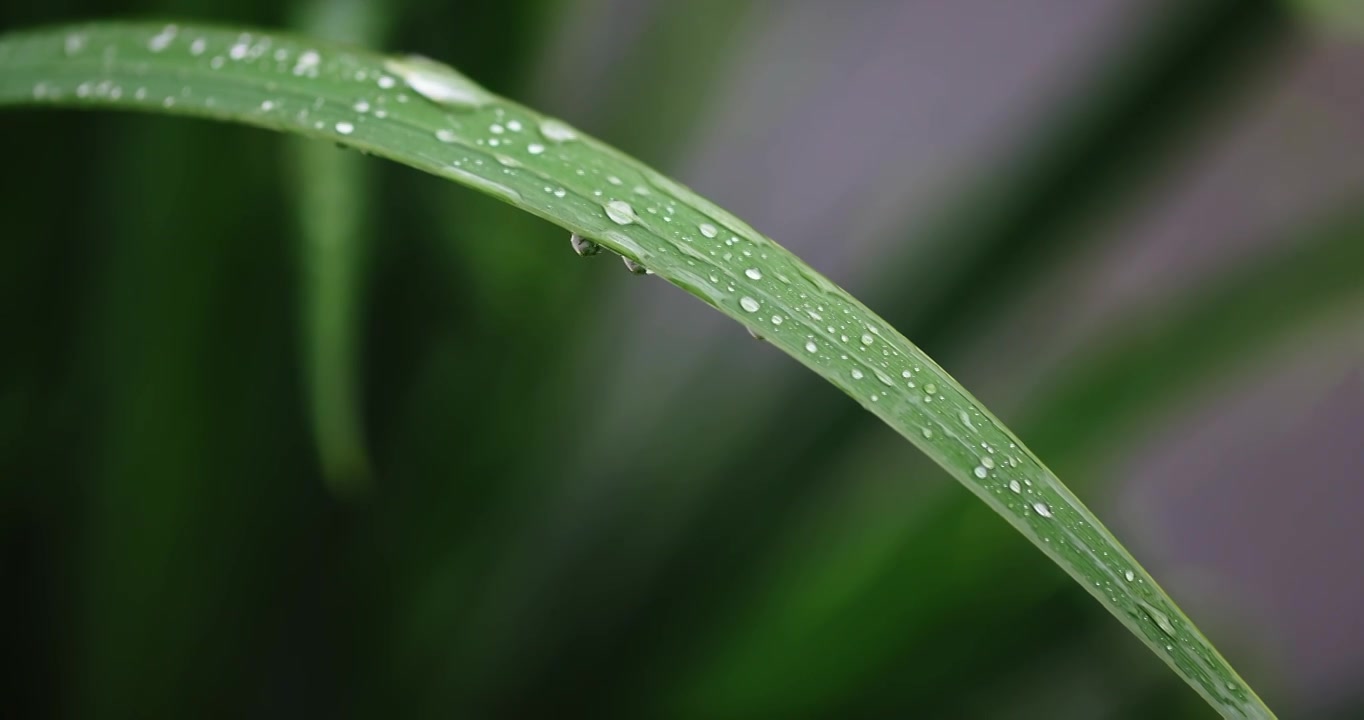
x,y
620,212
438,82
748,304
708,230
556,131
1042,509
582,245
754,334
634,267
754,274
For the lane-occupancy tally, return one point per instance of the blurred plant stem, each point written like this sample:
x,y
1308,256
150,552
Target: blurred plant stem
x,y
333,190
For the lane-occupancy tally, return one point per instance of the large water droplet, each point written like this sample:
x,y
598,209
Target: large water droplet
x,y
620,212
810,346
1161,619
556,131
748,304
981,472
754,274
1013,485
345,128
708,230
1042,509
438,82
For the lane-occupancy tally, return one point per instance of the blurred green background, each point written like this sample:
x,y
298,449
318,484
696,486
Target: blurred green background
x,y
289,431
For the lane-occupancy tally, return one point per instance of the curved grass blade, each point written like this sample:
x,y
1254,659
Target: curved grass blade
x,y
1151,359
427,116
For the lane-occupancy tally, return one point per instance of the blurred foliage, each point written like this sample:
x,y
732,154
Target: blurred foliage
x,y
171,546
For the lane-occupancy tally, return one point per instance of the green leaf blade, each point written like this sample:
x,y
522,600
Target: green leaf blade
x,y
430,118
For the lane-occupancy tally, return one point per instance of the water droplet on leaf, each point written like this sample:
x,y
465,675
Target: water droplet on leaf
x,y
438,82
556,131
620,212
